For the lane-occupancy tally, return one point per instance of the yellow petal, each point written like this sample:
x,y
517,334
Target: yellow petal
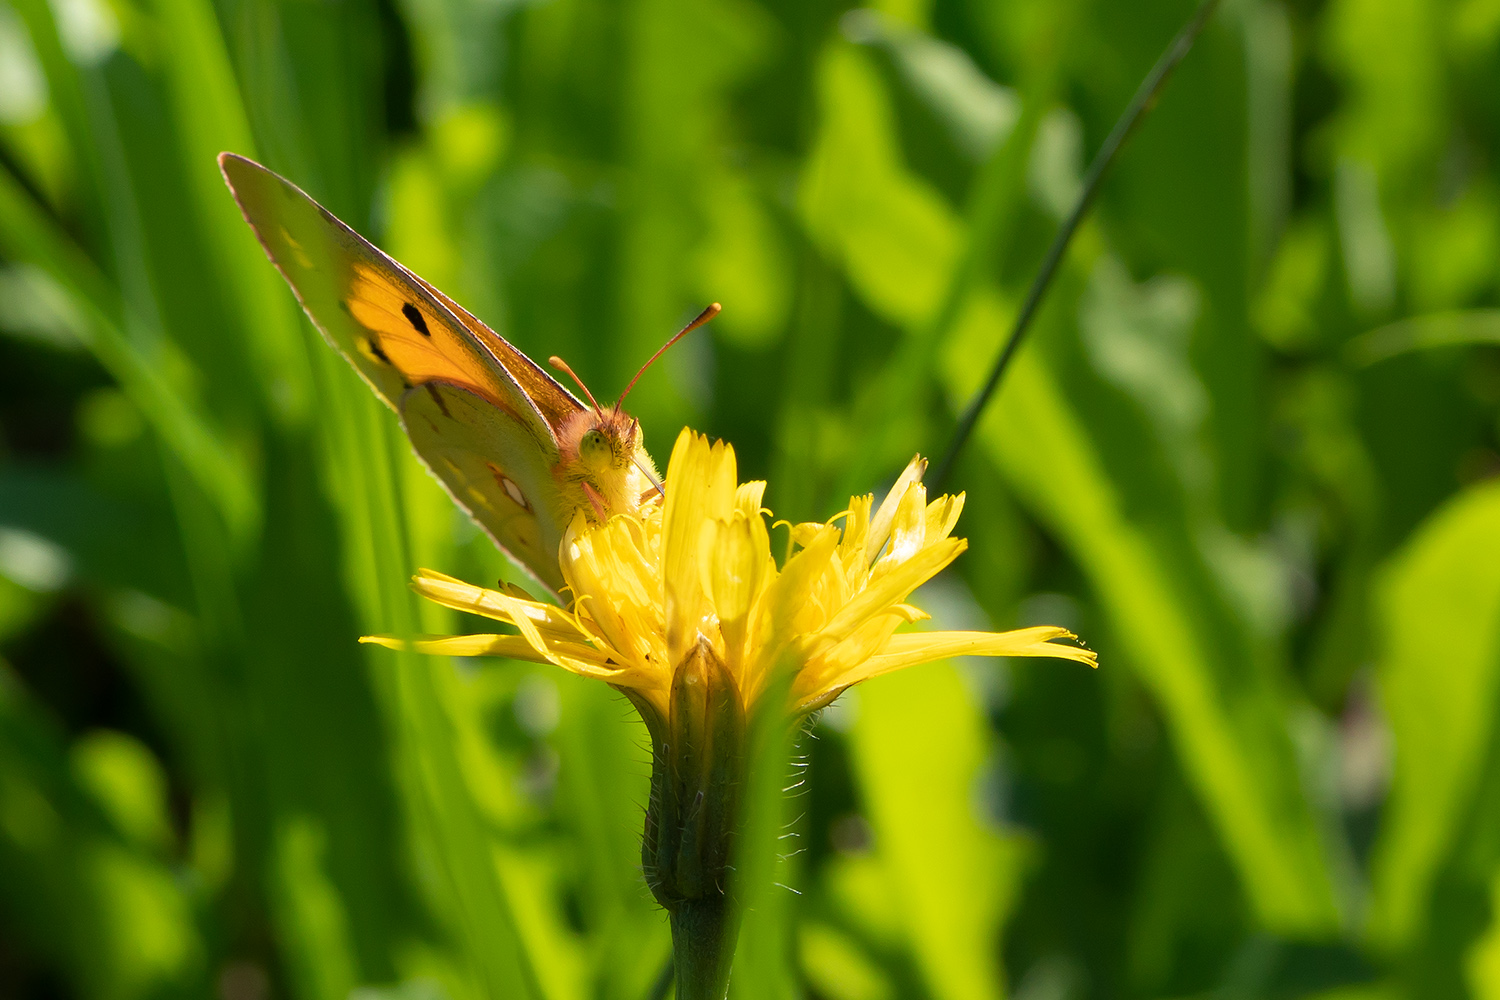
x,y
596,590
730,566
853,549
910,648
521,620
804,533
942,515
892,588
456,594
749,496
723,477
783,599
880,525
686,508
585,660
909,527
830,664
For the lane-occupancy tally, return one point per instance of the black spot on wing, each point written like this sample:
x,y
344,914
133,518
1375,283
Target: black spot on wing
x,y
437,397
378,353
414,317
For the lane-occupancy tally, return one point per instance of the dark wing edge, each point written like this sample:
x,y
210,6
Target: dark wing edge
x,y
535,380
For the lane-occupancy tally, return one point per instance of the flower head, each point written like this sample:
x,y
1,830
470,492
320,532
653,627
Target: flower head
x,y
682,606
695,568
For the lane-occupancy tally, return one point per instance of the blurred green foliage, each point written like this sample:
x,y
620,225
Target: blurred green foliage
x,y
1250,455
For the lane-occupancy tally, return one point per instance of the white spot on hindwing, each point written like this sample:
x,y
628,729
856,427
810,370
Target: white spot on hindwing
x,y
509,486
514,491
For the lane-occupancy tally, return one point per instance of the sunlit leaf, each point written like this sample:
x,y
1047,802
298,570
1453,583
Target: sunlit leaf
x,y
1439,669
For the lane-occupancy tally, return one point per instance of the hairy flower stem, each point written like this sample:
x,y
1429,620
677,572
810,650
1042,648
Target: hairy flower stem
x,y
703,939
693,818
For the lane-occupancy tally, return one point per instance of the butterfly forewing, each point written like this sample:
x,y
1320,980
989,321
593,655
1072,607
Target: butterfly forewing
x,y
385,320
478,412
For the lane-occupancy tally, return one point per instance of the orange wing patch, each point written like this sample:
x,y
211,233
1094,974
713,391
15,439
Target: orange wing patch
x,y
395,329
411,338
556,403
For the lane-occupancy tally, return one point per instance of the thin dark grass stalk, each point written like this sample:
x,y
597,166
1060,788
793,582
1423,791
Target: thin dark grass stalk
x,y
988,219
1140,105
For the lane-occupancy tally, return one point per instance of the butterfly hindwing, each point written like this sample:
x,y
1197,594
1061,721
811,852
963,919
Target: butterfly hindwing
x,y
492,469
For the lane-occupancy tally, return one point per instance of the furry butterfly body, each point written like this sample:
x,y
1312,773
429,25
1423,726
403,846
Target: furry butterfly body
x,y
516,450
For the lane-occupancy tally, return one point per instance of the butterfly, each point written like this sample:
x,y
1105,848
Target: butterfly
x,y
517,451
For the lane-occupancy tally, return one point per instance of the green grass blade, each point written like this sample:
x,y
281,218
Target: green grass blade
x,y
919,741
1230,737
210,118
363,446
1439,670
27,233
897,244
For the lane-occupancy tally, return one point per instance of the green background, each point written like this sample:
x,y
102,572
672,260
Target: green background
x,y
1250,455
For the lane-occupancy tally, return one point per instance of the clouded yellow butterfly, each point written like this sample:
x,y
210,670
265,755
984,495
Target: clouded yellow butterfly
x,y
514,448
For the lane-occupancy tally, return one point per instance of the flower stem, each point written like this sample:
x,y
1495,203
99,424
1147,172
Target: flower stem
x,y
703,938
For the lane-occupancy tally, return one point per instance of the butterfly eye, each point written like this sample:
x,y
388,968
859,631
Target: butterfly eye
x,y
594,450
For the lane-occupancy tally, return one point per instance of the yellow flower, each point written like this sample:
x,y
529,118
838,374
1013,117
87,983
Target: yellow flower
x,y
696,568
683,608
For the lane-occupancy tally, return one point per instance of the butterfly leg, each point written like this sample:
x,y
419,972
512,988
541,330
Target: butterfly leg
x,y
596,500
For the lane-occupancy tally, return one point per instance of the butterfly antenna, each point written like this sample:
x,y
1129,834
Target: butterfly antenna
x,y
563,366
703,317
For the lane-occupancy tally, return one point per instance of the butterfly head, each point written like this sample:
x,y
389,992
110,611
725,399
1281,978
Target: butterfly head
x,y
607,442
598,441
601,447
601,456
